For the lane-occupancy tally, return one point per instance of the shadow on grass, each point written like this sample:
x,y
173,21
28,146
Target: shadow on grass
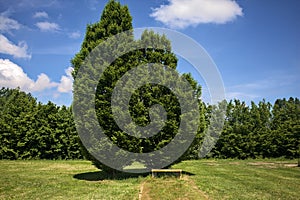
x,y
188,173
100,175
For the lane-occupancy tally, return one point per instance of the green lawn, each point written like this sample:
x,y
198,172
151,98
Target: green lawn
x,y
204,179
236,179
61,180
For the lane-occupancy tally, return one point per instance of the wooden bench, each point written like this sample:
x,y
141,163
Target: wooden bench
x,y
172,172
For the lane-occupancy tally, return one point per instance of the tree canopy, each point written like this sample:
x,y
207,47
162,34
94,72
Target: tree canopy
x,y
156,49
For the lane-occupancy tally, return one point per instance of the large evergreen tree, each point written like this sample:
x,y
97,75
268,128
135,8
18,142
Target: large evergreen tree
x,y
155,49
115,19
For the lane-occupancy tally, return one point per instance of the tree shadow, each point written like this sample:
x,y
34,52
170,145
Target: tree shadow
x,y
101,175
188,173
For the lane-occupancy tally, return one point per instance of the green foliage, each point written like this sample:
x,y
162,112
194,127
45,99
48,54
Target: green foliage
x,y
156,49
115,19
260,130
31,130
285,127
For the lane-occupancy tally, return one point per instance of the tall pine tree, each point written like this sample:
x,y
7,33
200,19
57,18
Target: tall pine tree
x,y
115,19
156,49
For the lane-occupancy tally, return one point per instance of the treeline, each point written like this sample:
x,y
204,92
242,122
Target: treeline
x,y
32,130
261,130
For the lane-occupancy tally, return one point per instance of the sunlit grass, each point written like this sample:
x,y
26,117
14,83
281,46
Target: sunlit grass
x,y
203,179
61,180
236,179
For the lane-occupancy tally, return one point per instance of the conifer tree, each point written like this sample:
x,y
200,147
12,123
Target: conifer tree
x,y
116,19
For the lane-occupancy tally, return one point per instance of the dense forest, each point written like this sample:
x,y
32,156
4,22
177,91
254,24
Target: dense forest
x,y
32,130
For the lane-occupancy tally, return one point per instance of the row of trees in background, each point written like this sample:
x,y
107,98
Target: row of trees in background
x,y
31,130
260,130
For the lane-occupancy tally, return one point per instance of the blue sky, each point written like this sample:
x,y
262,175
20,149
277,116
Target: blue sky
x,y
255,44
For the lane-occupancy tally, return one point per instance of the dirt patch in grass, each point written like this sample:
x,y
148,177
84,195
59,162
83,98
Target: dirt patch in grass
x,y
273,164
144,192
59,167
195,187
261,163
264,164
170,188
234,163
291,165
211,163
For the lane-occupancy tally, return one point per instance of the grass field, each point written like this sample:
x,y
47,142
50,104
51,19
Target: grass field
x,y
203,179
234,179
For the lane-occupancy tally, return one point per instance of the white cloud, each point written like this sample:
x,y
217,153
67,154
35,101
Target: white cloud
x,y
13,76
42,14
18,51
48,26
7,24
184,13
74,35
66,82
43,82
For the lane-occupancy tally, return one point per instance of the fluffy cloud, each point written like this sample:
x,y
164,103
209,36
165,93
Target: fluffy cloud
x,y
7,24
43,82
42,14
18,51
184,13
13,76
48,26
66,82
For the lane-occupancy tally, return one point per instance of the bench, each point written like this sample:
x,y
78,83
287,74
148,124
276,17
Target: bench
x,y
172,172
